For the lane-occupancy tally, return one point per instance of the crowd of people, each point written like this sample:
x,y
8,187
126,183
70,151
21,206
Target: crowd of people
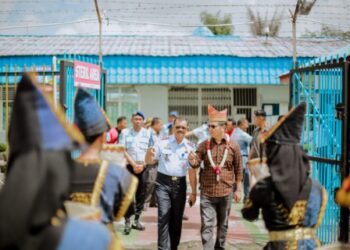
x,y
268,171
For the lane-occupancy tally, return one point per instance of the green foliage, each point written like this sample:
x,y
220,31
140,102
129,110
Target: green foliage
x,y
3,147
258,23
328,31
209,20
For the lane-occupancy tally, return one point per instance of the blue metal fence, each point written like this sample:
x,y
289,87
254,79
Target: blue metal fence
x,y
321,87
48,75
68,90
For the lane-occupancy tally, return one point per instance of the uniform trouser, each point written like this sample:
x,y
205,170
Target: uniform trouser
x,y
137,206
246,184
171,195
151,177
214,209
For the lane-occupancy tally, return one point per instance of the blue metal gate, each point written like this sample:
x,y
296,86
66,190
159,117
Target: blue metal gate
x,y
324,87
67,89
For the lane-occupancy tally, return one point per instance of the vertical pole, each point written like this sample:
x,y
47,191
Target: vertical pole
x,y
6,99
199,122
53,82
44,75
104,94
294,28
63,82
100,31
344,212
15,79
291,89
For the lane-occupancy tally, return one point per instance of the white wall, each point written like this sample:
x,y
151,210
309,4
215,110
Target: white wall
x,y
154,101
274,94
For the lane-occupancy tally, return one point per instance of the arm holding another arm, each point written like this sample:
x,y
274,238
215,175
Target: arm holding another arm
x,y
195,159
149,159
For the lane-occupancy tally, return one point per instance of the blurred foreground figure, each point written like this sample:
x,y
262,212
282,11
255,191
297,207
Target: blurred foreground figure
x,y
96,181
38,180
292,203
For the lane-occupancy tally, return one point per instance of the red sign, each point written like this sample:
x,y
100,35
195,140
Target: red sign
x,y
87,75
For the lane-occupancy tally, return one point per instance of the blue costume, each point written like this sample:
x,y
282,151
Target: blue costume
x,y
100,183
292,203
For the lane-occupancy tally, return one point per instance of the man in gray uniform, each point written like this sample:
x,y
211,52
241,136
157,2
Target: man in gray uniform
x,y
172,153
136,141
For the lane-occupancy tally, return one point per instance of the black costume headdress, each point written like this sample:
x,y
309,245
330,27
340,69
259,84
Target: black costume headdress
x,y
39,168
286,159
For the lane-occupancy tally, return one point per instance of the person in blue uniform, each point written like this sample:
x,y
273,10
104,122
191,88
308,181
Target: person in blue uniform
x,y
38,179
98,182
243,139
292,203
136,141
172,153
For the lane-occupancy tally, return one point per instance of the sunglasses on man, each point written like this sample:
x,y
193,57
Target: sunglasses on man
x,y
214,126
180,127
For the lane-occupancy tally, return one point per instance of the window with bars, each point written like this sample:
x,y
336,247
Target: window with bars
x,y
244,97
238,101
11,92
185,102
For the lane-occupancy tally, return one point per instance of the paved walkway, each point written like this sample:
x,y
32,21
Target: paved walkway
x,y
241,234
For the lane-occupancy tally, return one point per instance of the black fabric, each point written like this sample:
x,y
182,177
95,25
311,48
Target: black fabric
x,y
290,127
265,197
125,180
288,167
84,177
46,239
151,177
171,197
24,130
38,180
137,206
287,162
35,188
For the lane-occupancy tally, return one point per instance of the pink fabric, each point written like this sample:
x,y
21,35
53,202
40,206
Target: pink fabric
x,y
112,137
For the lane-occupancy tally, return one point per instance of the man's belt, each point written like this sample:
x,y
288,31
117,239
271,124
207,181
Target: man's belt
x,y
170,178
302,233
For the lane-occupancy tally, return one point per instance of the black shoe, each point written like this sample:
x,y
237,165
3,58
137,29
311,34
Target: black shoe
x,y
153,205
184,217
138,226
127,228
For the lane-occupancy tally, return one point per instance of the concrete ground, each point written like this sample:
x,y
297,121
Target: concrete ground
x,y
241,234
